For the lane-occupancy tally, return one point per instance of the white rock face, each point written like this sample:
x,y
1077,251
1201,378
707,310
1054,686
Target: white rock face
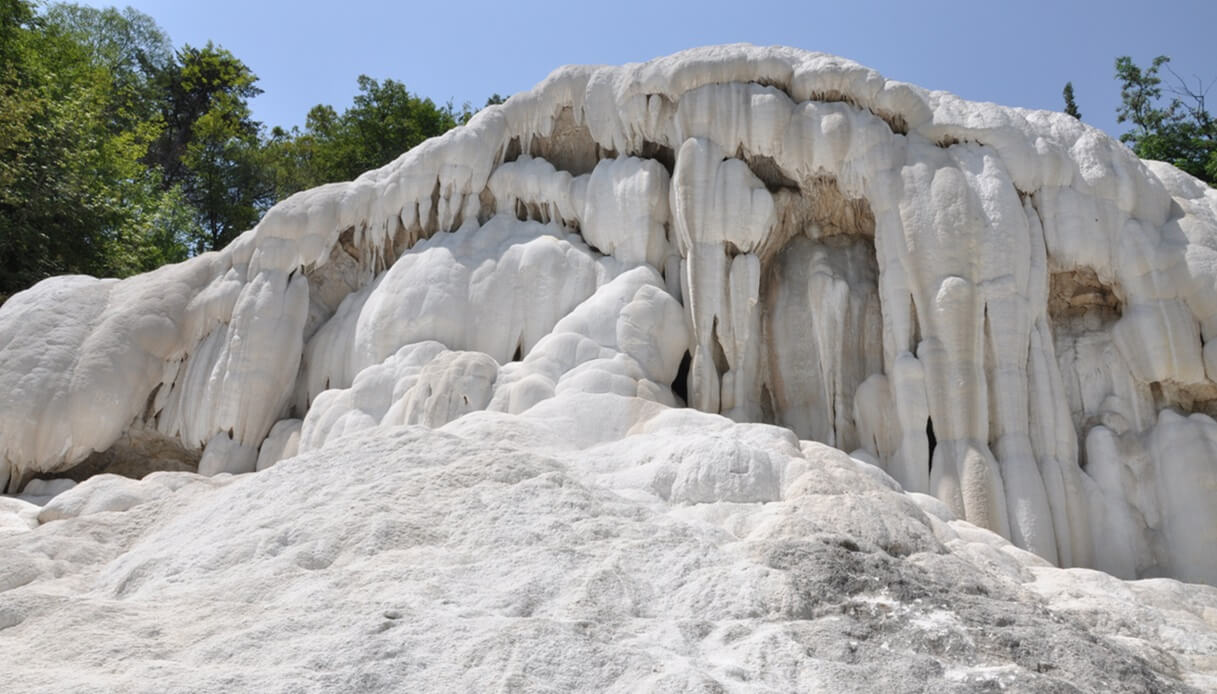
x,y
1000,308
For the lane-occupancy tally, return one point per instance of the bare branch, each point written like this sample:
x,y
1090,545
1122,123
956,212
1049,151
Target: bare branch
x,y
1180,88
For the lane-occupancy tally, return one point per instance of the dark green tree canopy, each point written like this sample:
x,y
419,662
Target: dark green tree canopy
x,y
384,121
197,81
210,143
1071,106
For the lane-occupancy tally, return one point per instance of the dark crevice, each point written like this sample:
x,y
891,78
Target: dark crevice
x,y
150,403
680,387
569,146
721,365
895,122
458,217
402,238
663,154
947,141
513,150
486,205
766,168
932,439
847,544
540,212
346,240
990,367
767,406
1155,392
431,224
832,96
774,84
137,453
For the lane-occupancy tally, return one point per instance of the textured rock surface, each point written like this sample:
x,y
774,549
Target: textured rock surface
x,y
1005,313
507,553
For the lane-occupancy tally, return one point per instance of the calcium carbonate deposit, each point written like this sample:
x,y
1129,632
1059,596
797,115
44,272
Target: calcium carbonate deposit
x,y
744,369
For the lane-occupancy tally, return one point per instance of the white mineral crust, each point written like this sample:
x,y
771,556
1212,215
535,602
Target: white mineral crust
x,y
1002,315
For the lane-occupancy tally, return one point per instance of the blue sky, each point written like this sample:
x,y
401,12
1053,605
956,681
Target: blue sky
x,y
1016,53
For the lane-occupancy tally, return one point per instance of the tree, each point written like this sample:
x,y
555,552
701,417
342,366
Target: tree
x,y
384,121
1070,106
127,43
226,185
75,195
210,146
194,82
1139,89
1181,131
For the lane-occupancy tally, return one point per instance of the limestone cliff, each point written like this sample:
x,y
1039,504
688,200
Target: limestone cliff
x,y
1000,307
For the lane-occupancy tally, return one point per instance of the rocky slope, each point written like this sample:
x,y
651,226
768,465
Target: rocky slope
x,y
503,553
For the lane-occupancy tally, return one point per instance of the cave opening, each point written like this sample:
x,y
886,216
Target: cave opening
x,y
513,150
660,153
822,320
569,146
137,453
767,169
680,386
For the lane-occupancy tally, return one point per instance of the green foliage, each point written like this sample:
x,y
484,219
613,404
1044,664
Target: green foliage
x,y
226,183
1180,131
195,82
1071,106
384,121
210,146
126,43
74,194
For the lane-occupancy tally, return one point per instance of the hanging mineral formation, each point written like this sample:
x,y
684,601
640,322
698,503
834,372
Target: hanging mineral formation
x,y
1004,308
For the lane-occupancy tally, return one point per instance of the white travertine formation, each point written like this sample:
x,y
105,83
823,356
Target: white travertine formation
x,y
999,307
596,542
